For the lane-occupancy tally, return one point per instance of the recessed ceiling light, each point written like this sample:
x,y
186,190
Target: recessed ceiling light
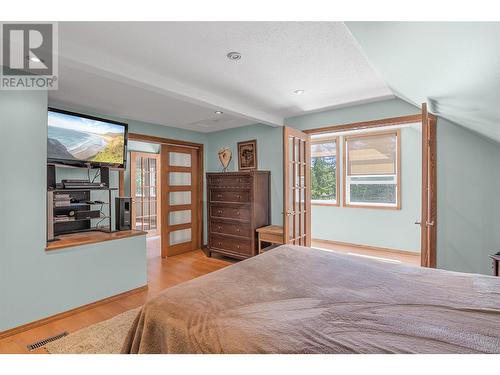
x,y
298,92
35,59
234,56
218,112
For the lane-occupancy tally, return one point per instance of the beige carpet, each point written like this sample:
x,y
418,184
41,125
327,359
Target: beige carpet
x,y
105,337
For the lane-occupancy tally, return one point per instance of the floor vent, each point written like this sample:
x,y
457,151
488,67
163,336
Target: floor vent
x,y
41,343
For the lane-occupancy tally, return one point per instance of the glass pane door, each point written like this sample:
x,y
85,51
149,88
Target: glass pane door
x,y
145,191
297,202
181,184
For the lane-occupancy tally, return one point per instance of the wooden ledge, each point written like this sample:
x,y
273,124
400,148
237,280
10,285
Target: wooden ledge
x,y
86,238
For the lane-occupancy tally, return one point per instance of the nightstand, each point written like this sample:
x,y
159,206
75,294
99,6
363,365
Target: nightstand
x,y
272,234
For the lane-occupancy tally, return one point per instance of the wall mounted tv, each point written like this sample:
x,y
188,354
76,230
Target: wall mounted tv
x,y
81,140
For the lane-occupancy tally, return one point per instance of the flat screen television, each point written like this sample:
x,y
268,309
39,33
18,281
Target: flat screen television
x,y
81,140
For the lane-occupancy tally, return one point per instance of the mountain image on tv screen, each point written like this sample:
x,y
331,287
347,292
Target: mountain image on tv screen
x,y
74,138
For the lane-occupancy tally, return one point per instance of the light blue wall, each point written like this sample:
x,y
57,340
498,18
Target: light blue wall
x,y
346,115
34,283
393,229
468,199
269,157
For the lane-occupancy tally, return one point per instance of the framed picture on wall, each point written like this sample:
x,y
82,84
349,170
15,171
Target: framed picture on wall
x,y
247,155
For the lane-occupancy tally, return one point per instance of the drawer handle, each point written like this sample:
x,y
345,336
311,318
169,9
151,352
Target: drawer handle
x,y
219,211
238,196
238,213
219,195
219,227
238,230
219,243
238,246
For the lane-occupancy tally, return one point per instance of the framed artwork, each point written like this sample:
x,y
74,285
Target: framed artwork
x,y
247,155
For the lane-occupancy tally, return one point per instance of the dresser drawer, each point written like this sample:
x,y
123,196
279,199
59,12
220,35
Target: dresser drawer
x,y
230,196
238,246
230,212
236,229
230,181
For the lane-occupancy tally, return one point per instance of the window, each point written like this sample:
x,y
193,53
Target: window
x,y
324,171
371,170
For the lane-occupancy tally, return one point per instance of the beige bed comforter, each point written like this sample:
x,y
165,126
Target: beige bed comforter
x,y
300,300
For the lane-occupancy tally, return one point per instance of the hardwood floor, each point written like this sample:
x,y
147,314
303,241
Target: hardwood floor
x,y
162,274
391,256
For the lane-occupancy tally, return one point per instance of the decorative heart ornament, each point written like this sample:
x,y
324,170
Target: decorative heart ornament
x,y
225,156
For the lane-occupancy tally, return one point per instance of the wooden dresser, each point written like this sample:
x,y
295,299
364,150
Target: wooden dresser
x,y
238,204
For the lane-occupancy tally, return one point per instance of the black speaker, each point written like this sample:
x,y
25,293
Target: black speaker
x,y
123,210
51,176
105,175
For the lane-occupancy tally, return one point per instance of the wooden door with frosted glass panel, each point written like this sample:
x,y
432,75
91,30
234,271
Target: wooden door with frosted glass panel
x,y
180,208
145,191
297,187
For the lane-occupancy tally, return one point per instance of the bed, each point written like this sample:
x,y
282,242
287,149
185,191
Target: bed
x,y
300,300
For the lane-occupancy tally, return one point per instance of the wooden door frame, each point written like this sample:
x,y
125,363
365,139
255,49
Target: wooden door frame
x,y
428,220
158,187
200,161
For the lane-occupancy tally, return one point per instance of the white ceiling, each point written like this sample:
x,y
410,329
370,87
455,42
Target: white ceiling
x,y
453,66
177,73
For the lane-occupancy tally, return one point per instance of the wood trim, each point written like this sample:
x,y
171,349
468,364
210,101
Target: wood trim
x,y
160,140
325,204
376,248
173,228
179,207
40,322
180,187
121,183
307,191
398,170
367,124
180,169
428,220
164,199
87,238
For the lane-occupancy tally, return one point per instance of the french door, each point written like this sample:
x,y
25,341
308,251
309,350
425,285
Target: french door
x,y
181,209
145,191
297,187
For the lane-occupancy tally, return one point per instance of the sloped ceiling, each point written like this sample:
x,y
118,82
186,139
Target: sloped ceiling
x,y
453,66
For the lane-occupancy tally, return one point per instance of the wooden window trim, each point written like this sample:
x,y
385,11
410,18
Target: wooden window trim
x,y
367,124
337,169
398,171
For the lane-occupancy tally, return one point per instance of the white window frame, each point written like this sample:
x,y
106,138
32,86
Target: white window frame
x,y
396,178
